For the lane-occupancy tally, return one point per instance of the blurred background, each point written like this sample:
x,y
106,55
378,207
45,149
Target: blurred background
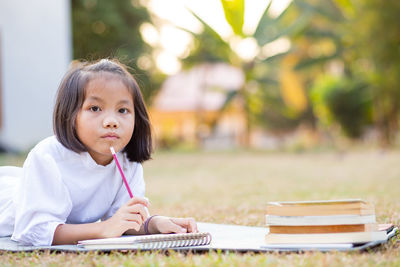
x,y
216,74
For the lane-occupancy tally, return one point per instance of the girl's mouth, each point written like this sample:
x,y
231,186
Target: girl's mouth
x,y
110,136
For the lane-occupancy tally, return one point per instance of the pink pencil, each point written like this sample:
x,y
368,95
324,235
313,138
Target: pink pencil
x,y
122,173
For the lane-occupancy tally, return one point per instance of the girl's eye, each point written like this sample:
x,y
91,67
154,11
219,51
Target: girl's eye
x,y
94,109
123,110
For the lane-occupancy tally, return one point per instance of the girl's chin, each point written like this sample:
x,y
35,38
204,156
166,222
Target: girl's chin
x,y
102,157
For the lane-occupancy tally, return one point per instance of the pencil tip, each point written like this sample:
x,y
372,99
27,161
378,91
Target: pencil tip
x,y
112,150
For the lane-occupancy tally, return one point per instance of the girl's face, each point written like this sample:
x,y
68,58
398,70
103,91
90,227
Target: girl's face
x,y
107,117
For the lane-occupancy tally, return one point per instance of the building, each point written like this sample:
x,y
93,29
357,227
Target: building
x,y
35,50
190,108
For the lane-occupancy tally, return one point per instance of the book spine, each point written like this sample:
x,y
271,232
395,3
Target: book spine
x,y
319,220
319,229
317,211
356,237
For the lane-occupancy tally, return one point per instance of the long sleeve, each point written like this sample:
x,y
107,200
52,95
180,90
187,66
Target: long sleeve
x,y
10,178
42,203
137,185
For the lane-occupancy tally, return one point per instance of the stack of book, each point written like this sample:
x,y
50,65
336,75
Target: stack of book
x,y
335,223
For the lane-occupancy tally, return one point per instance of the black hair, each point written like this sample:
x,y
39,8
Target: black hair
x,y
71,95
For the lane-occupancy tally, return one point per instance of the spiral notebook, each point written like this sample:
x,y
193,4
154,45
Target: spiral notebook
x,y
157,241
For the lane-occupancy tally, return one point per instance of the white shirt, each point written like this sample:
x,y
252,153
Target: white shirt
x,y
56,186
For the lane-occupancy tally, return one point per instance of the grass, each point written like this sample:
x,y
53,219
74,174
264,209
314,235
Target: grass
x,y
233,187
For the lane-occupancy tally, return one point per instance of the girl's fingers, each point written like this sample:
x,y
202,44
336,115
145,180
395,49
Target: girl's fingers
x,y
138,200
176,228
133,225
188,223
192,226
138,209
134,218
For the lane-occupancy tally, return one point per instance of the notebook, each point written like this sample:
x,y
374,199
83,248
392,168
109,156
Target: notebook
x,y
156,241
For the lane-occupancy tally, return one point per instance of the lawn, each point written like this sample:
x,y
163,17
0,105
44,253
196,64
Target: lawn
x,y
233,187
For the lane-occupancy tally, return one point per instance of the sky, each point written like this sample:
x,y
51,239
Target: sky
x,y
173,44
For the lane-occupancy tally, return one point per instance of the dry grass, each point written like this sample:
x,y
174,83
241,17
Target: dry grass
x,y
233,187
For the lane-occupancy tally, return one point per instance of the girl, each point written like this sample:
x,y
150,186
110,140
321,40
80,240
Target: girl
x,y
69,182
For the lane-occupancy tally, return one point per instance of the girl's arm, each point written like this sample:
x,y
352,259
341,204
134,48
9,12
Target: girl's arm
x,y
130,216
72,233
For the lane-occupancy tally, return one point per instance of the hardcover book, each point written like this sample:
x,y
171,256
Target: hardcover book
x,y
320,208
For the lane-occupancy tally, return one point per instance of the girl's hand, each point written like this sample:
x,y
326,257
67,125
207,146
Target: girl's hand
x,y
129,216
166,225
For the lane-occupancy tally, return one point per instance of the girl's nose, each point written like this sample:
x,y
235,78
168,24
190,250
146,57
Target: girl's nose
x,y
110,122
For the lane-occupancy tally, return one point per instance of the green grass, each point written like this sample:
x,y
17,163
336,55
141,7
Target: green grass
x,y
233,187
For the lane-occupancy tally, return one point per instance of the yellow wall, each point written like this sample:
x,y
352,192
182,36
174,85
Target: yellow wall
x,y
191,126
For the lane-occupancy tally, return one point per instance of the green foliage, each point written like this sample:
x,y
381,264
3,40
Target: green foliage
x,y
234,14
287,23
324,25
104,29
340,37
260,95
366,39
375,28
268,110
208,47
264,101
347,102
346,6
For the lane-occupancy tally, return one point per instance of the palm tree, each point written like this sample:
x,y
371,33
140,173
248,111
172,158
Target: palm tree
x,y
273,95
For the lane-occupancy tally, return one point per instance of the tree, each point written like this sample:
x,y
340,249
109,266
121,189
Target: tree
x,y
104,28
267,97
364,36
339,96
376,31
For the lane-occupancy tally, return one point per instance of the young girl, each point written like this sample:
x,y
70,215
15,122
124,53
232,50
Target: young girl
x,y
69,181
